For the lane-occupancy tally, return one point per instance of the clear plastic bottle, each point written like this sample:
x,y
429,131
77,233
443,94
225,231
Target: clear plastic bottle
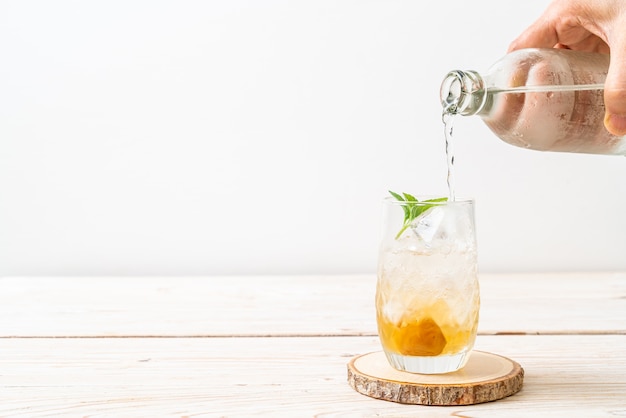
x,y
538,98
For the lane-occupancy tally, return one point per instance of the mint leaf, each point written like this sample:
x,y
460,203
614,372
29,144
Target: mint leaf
x,y
396,195
406,209
413,208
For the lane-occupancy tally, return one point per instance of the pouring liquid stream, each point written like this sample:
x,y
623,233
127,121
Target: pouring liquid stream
x,y
448,118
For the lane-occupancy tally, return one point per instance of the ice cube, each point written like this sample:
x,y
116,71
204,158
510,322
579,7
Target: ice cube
x,y
428,223
444,228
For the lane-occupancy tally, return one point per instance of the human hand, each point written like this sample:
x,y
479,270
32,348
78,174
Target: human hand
x,y
592,26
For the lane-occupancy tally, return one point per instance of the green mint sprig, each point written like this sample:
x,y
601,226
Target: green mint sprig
x,y
413,208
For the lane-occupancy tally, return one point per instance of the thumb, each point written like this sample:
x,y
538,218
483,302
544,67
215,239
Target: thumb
x,y
615,90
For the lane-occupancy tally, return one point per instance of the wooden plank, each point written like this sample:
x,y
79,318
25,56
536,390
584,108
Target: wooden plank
x,y
565,376
290,305
553,303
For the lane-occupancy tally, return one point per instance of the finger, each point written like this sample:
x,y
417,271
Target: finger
x,y
615,87
541,34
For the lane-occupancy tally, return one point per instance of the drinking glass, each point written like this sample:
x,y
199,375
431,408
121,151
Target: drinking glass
x,y
427,293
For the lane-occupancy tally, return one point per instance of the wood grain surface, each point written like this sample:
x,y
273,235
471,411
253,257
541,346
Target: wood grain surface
x,y
279,346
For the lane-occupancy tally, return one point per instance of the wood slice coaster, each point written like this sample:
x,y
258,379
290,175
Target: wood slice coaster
x,y
486,377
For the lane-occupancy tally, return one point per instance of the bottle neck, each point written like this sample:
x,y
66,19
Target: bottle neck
x,y
463,93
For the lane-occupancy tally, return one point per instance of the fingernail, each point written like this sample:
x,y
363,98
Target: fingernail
x,y
616,124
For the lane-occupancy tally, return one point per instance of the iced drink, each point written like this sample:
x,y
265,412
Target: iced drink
x,y
427,296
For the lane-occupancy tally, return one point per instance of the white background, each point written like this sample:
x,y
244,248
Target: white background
x,y
258,137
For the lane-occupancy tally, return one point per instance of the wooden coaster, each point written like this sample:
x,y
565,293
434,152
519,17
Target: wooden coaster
x,y
486,377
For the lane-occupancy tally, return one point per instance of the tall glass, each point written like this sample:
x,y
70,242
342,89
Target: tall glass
x,y
427,294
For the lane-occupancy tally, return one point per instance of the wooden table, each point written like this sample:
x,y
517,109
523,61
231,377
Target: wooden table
x,y
278,346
